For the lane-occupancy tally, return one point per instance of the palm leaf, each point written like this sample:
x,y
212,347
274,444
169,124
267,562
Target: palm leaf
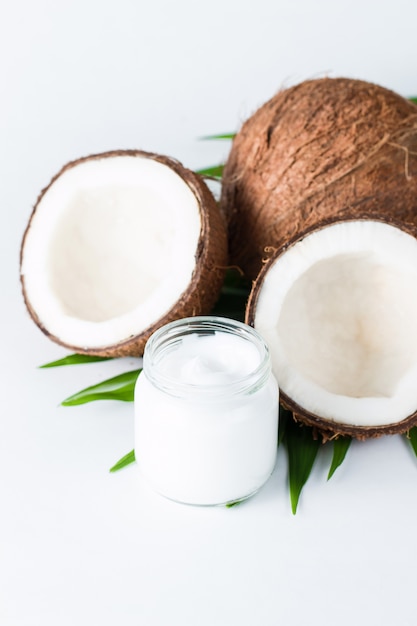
x,y
412,437
340,448
220,136
119,387
215,171
127,459
75,359
302,451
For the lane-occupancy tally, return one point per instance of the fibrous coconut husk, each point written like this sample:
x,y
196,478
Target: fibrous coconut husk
x,y
317,150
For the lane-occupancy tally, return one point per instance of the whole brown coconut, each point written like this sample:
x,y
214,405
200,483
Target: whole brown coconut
x,y
320,149
119,244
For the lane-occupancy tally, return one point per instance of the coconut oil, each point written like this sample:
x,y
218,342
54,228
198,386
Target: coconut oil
x,y
206,411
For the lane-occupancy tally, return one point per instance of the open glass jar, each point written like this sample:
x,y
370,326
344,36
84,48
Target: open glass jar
x,y
206,411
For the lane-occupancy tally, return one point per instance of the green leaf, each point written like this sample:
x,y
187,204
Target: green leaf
x,y
221,136
413,99
340,448
75,359
215,171
117,388
231,306
302,451
235,503
412,438
127,459
235,291
235,281
233,296
284,417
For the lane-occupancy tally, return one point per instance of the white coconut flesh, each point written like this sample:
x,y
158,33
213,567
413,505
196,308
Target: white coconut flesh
x,y
110,249
339,312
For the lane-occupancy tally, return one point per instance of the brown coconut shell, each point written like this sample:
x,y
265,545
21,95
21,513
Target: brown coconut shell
x,y
327,428
210,260
314,151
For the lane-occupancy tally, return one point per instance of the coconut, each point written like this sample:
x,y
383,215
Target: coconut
x,y
321,149
117,245
338,308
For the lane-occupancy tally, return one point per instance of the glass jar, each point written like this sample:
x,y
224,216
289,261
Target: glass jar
x,y
206,411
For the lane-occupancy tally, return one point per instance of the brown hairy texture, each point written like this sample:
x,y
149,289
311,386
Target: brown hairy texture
x,y
328,429
320,149
210,262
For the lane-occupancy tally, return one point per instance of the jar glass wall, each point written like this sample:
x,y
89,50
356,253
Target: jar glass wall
x,y
206,411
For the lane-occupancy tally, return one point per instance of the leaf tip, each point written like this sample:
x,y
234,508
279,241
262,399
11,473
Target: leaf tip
x,y
294,504
127,459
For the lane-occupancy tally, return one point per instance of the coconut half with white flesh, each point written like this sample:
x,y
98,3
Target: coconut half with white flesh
x,y
119,244
338,309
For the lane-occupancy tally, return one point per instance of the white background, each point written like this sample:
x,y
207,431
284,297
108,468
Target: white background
x,y
79,546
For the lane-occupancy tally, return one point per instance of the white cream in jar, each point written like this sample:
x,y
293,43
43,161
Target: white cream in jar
x,y
206,411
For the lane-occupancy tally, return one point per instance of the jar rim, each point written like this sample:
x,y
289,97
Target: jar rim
x,y
246,384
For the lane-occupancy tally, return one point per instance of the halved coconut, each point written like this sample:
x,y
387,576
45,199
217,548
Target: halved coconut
x,y
314,151
118,244
338,309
